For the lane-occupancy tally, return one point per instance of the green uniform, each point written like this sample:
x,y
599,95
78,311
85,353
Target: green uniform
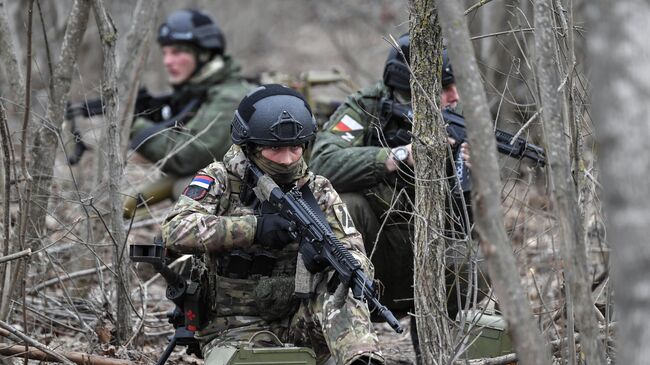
x,y
221,87
351,152
218,226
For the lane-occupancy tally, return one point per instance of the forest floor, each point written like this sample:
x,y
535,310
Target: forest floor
x,y
71,313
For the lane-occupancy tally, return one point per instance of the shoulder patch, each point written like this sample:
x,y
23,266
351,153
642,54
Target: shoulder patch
x,y
344,218
199,187
347,128
347,124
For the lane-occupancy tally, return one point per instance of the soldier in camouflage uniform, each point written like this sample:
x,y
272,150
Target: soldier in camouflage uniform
x,y
207,87
250,256
361,153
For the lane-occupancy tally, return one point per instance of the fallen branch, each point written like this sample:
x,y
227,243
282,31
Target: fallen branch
x,y
32,342
76,357
499,360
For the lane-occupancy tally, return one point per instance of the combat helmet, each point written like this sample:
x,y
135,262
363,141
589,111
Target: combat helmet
x,y
192,27
396,70
273,115
447,71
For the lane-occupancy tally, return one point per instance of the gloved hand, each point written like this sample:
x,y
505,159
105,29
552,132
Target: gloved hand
x,y
273,231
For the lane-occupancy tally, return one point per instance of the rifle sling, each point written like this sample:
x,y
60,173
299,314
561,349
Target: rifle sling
x,y
310,199
141,137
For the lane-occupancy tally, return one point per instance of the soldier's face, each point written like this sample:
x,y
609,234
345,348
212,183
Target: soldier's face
x,y
179,64
449,97
282,155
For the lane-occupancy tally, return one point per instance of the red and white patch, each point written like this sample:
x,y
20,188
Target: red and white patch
x,y
347,124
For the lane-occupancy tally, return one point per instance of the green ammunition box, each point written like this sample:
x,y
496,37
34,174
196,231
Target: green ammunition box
x,y
488,335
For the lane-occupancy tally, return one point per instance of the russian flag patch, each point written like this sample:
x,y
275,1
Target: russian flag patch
x,y
199,187
347,124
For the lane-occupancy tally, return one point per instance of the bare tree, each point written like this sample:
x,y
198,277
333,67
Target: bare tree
x,y
108,35
563,190
486,202
621,84
46,140
430,150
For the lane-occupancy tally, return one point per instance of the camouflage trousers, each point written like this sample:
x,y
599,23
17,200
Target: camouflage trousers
x,y
322,323
389,246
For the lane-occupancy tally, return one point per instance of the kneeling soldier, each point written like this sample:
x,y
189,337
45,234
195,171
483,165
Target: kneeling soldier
x,y
251,251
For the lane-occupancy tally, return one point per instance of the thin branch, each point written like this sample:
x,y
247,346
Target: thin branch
x,y
74,275
17,255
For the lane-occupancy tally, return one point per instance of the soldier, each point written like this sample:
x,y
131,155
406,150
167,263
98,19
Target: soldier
x,y
207,85
248,250
368,160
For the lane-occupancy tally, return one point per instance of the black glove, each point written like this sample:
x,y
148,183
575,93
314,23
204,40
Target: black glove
x,y
273,231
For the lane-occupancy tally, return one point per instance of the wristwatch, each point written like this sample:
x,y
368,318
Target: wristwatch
x,y
400,154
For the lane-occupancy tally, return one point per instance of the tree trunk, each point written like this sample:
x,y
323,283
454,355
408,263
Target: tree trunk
x,y
9,57
430,151
618,49
563,190
486,197
45,140
108,35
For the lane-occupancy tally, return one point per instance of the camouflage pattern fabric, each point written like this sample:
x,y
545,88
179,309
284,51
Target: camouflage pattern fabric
x,y
219,223
222,86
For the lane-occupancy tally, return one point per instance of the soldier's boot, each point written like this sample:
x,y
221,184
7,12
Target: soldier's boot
x,y
149,194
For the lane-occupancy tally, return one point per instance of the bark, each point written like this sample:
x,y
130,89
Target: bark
x,y
429,152
563,189
6,233
486,203
108,35
621,86
134,57
45,139
8,56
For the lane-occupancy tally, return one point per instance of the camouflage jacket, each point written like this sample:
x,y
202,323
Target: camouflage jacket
x,y
192,146
217,223
349,153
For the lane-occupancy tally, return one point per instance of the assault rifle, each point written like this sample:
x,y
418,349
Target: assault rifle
x,y
318,244
187,295
507,144
155,108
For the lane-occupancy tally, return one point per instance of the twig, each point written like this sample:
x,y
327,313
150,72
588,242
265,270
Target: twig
x,y
476,6
17,255
74,275
523,127
30,341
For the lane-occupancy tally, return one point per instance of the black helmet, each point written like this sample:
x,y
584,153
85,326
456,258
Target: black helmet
x,y
192,27
447,71
396,71
273,115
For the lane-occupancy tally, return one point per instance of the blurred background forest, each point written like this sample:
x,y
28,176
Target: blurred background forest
x,y
68,284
